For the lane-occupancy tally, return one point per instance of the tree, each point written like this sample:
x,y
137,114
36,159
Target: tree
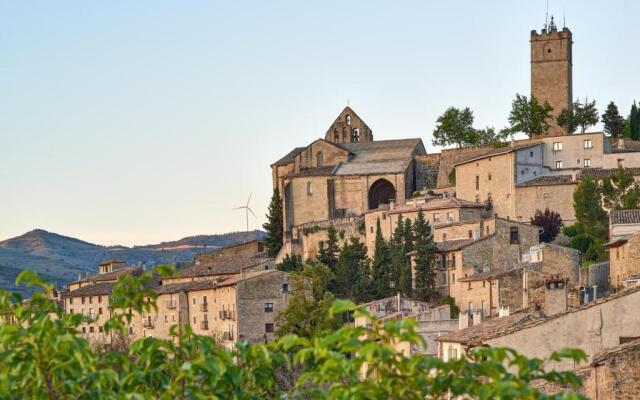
x,y
307,312
580,115
586,114
274,225
529,116
43,356
380,267
550,222
591,218
613,121
351,271
290,263
425,260
401,244
489,135
329,249
455,126
620,191
634,122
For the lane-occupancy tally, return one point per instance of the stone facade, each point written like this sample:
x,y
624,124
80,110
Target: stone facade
x,y
551,70
557,197
348,128
624,260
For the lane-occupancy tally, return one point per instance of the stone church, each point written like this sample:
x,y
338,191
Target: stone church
x,y
345,174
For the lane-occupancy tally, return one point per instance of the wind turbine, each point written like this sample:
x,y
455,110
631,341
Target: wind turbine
x,y
247,210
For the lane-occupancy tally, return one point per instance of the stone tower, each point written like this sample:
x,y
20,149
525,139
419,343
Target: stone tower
x,y
551,65
347,128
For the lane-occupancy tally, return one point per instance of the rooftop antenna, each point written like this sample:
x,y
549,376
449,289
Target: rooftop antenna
x,y
247,210
546,17
564,19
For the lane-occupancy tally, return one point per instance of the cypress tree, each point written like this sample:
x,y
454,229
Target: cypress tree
x,y
634,122
274,225
425,261
380,266
613,121
329,249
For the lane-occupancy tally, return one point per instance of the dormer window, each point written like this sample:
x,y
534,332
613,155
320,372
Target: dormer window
x,y
348,119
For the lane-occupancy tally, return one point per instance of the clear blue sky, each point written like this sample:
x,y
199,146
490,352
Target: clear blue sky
x,y
138,121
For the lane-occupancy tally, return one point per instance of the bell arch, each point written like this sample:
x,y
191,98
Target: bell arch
x,y
381,192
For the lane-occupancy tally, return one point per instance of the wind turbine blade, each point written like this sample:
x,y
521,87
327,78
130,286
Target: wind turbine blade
x,y
251,211
239,208
249,199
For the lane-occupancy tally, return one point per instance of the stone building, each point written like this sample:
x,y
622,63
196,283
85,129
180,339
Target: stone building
x,y
593,327
433,320
551,70
348,128
624,248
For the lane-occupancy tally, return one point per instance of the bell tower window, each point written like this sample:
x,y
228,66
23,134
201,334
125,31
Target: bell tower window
x,y
319,159
348,119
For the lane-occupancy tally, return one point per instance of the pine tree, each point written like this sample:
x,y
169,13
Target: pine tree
x,y
613,121
350,271
592,219
380,266
274,225
425,260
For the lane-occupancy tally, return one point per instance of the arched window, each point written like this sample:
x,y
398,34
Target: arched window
x,y
348,119
356,135
319,159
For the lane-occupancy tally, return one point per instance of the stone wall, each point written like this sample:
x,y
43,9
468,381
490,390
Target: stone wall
x,y
624,260
561,260
427,171
558,198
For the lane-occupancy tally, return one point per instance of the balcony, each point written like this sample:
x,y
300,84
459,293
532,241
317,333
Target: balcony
x,y
227,335
148,324
204,307
171,304
204,325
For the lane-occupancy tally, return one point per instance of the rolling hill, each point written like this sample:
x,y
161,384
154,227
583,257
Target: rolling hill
x,y
61,258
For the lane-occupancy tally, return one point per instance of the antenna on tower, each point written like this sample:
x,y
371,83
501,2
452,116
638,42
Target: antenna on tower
x,y
546,17
564,19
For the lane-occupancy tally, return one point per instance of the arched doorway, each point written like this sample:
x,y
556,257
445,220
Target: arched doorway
x,y
381,192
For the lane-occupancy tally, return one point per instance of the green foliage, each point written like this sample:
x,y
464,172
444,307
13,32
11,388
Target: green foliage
x,y
571,230
329,249
313,229
425,260
380,271
452,176
290,263
44,357
613,121
550,222
580,115
274,225
634,122
529,116
592,219
352,272
592,248
455,126
489,135
307,312
620,191
401,244
455,311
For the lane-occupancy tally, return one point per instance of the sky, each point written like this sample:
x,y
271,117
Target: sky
x,y
138,122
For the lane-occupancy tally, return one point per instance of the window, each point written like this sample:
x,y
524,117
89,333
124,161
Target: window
x,y
546,195
557,146
469,288
559,164
91,329
620,162
99,310
309,188
578,161
90,299
484,284
194,320
83,300
71,300
204,299
71,311
521,172
436,217
450,215
587,162
356,135
617,254
477,182
99,299
336,135
588,144
453,277
268,327
470,234
84,329
268,307
285,287
165,318
348,119
319,159
100,329
371,229
194,300
515,237
489,177
477,199
487,230
531,154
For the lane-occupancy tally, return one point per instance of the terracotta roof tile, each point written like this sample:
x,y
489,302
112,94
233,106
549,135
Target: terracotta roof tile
x,y
599,173
625,217
548,180
93,289
290,156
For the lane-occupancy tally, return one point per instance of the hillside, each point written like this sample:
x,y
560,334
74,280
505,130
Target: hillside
x,y
61,258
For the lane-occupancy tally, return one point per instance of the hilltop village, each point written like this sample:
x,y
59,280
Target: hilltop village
x,y
505,286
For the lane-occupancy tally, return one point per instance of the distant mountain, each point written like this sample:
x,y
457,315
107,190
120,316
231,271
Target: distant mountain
x,y
61,258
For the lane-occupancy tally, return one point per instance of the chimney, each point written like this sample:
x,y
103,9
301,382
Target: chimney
x,y
555,295
463,320
503,312
477,317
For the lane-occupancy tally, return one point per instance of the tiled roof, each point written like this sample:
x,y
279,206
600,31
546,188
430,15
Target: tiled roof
x,y
549,180
107,262
318,171
110,276
290,156
208,284
453,245
599,173
625,217
226,265
489,328
374,167
93,289
499,151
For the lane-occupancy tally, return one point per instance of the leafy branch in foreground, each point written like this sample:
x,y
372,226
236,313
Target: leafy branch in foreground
x,y
43,356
